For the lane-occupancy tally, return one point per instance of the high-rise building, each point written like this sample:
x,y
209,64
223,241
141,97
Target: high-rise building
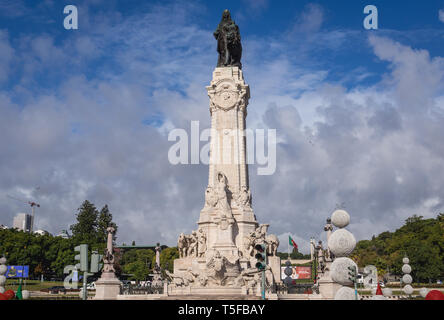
x,y
22,221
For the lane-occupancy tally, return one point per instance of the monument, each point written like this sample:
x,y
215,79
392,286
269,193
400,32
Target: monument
x,y
157,276
218,258
108,286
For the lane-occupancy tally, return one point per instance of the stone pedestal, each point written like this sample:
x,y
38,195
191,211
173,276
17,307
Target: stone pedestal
x,y
107,287
328,287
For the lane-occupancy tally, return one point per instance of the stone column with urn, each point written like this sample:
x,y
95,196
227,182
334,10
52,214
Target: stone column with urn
x,y
108,286
157,277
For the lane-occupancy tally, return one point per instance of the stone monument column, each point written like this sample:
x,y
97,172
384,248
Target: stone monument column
x,y
228,192
108,286
219,256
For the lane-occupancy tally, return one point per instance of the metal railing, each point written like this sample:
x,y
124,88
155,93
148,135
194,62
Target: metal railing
x,y
140,289
297,288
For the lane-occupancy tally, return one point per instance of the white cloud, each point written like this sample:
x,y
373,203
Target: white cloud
x,y
441,15
379,149
6,55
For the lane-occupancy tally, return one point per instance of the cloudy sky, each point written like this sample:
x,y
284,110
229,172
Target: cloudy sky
x,y
85,114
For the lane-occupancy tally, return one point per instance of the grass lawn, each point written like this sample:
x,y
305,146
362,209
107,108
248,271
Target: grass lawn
x,y
31,285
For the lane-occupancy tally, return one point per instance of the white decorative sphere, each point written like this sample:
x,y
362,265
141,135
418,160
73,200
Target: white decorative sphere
x,y
340,218
406,268
387,292
405,260
407,279
423,292
25,294
2,290
2,280
408,289
345,293
379,297
2,260
3,269
339,270
341,243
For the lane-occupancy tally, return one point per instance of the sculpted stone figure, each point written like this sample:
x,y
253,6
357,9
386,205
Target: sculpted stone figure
x,y
229,44
222,199
216,269
182,245
249,245
321,256
202,242
272,244
222,272
192,244
261,232
255,237
210,197
176,281
243,199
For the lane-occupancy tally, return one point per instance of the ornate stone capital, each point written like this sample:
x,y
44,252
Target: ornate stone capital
x,y
227,93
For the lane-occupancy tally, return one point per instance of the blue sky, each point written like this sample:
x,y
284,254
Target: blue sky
x,y
85,114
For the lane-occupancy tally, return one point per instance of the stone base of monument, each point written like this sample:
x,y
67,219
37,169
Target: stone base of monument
x,y
328,288
107,288
210,290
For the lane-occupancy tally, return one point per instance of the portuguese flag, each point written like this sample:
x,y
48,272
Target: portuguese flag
x,y
291,242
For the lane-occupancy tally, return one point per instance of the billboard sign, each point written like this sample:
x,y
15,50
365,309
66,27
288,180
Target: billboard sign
x,y
17,272
298,272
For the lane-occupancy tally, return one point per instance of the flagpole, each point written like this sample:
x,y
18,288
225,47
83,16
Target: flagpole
x,y
288,251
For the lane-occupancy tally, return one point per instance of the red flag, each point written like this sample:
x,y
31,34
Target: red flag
x,y
291,241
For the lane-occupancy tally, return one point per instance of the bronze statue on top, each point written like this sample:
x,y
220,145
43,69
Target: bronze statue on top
x,y
229,44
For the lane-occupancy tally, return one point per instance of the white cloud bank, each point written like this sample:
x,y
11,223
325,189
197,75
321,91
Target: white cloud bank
x,y
379,149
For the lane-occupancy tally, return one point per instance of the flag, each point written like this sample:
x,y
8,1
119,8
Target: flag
x,y
291,241
19,295
378,290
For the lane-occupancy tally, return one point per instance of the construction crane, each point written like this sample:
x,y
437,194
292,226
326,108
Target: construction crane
x,y
32,204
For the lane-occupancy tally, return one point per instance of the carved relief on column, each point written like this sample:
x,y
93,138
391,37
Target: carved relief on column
x,y
226,94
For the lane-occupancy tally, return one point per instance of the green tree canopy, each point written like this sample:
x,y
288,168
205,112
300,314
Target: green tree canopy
x,y
421,240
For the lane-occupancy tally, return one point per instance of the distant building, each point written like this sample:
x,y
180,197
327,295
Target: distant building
x,y
42,232
22,221
3,227
64,234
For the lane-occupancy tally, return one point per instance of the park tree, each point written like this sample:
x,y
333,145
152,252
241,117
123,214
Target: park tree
x,y
167,257
421,240
104,220
138,263
85,230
